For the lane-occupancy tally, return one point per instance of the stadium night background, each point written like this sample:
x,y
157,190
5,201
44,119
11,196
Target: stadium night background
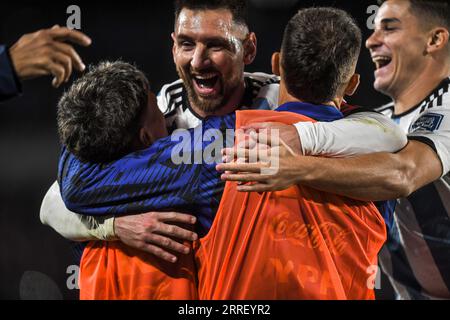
x,y
36,263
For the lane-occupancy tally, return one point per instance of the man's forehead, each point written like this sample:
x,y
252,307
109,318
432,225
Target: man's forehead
x,y
393,11
214,23
197,20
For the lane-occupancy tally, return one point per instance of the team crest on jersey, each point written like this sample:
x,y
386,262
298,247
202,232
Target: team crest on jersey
x,y
429,122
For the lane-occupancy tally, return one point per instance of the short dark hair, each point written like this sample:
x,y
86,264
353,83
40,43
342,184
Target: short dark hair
x,y
430,11
319,51
238,8
99,116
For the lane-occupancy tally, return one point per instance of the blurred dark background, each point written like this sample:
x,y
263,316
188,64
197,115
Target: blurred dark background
x,y
35,261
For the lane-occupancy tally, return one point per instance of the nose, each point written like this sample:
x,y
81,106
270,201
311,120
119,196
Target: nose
x,y
374,40
200,59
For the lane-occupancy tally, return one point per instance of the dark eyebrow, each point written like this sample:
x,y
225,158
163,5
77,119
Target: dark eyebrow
x,y
219,40
182,37
211,41
390,20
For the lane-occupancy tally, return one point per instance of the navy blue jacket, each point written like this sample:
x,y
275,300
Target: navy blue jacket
x,y
9,82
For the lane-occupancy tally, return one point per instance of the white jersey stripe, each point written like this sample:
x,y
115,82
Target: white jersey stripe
x,y
419,242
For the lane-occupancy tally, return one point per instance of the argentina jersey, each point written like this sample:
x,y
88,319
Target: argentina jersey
x,y
416,257
261,92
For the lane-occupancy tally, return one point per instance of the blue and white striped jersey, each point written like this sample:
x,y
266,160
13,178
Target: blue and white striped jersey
x,y
416,257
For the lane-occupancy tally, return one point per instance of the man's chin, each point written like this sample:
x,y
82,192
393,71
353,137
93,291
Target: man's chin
x,y
206,104
210,106
380,86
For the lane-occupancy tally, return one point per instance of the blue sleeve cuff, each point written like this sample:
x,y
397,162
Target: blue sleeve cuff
x,y
10,85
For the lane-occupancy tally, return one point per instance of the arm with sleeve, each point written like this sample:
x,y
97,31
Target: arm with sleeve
x,y
359,133
70,225
433,129
384,175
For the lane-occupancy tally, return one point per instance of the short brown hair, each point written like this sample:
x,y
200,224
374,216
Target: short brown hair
x,y
238,8
99,116
319,51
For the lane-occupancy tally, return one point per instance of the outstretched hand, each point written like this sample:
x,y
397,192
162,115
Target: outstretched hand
x,y
48,52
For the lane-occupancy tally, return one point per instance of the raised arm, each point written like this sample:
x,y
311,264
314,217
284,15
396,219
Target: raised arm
x,y
359,133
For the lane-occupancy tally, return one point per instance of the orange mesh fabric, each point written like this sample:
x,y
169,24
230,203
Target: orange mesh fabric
x,y
299,243
114,271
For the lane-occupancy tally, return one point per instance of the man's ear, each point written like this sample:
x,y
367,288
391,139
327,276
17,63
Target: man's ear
x,y
437,40
276,63
352,85
145,138
250,48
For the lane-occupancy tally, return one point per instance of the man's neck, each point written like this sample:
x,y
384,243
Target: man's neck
x,y
231,105
419,90
285,97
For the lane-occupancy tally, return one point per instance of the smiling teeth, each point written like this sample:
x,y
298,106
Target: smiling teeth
x,y
381,58
205,77
381,61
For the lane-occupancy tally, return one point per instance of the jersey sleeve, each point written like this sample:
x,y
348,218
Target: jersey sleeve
x,y
267,97
358,133
167,95
73,226
433,128
168,98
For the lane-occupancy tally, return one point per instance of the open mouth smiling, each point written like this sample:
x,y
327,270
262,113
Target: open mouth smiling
x,y
207,84
381,61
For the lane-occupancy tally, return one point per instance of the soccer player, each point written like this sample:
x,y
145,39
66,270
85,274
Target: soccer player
x,y
299,243
411,51
40,53
212,45
111,129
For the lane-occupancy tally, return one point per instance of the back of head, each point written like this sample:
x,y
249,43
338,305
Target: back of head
x,y
99,116
238,8
319,53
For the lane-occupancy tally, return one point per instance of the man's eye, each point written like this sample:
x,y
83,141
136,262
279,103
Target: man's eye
x,y
388,28
216,46
186,44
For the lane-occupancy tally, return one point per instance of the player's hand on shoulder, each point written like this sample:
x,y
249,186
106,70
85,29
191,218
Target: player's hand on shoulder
x,y
158,233
260,164
277,130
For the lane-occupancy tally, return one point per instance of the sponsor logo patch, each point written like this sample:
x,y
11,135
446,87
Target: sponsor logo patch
x,y
429,122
